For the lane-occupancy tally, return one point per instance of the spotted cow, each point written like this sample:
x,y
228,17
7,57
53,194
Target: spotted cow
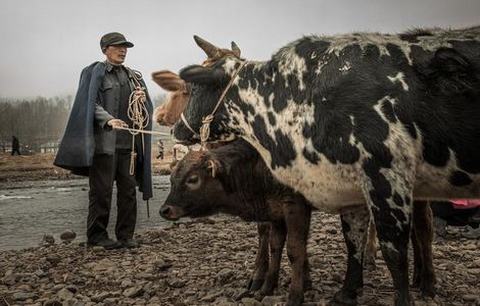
x,y
367,118
422,233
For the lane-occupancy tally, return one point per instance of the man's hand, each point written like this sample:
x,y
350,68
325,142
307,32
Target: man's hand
x,y
116,123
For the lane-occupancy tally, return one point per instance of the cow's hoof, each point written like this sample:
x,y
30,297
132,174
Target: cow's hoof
x,y
427,290
259,295
294,299
341,298
307,283
405,300
255,284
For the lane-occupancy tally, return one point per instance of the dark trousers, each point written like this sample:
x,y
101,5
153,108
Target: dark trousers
x,y
104,171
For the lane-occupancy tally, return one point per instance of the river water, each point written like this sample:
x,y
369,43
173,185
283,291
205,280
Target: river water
x,y
34,209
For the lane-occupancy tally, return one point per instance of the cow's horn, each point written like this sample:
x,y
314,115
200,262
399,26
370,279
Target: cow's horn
x,y
236,49
209,49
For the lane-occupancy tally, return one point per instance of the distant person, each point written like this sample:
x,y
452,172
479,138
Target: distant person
x,y
91,145
15,146
160,149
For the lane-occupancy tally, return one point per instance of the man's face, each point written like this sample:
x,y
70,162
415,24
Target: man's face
x,y
116,54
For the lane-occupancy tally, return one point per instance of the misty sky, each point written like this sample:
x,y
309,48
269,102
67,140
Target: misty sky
x,y
45,44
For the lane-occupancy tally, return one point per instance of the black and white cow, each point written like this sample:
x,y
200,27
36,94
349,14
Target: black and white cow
x,y
357,118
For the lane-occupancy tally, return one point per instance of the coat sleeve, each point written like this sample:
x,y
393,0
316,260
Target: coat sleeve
x,y
102,117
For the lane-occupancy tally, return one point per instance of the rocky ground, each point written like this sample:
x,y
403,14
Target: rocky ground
x,y
18,169
207,262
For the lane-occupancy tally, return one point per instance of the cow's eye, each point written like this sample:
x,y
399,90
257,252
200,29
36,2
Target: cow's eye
x,y
193,182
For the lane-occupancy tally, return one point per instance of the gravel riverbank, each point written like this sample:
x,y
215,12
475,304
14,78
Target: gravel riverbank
x,y
207,262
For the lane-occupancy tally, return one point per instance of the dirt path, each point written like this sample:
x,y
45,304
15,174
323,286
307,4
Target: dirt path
x,y
208,263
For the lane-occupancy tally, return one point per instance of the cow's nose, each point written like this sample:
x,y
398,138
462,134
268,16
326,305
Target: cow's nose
x,y
164,211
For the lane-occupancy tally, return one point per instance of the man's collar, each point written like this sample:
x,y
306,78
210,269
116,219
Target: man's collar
x,y
110,66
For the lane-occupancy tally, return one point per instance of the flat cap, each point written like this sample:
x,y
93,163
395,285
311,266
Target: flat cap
x,y
114,39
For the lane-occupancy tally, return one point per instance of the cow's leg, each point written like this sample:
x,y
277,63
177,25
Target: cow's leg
x,y
422,237
388,192
355,231
261,260
278,233
297,218
371,248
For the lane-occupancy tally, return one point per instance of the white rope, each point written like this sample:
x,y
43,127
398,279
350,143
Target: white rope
x,y
142,131
207,120
137,112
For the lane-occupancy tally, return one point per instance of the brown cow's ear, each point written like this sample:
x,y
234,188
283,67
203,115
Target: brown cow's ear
x,y
236,50
202,75
168,80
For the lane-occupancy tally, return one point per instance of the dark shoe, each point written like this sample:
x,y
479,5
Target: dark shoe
x,y
129,243
107,244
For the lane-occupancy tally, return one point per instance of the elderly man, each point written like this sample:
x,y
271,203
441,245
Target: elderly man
x,y
94,143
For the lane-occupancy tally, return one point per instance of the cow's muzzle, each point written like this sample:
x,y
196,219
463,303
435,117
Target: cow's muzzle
x,y
170,212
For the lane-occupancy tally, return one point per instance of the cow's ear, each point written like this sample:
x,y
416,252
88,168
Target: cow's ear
x,y
202,75
168,80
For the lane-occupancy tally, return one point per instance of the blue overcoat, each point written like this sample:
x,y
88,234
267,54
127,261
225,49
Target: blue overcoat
x,y
77,146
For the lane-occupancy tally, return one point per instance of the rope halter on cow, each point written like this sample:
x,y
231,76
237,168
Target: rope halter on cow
x,y
204,131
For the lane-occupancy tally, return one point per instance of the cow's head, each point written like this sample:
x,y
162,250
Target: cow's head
x,y
196,187
208,81
178,95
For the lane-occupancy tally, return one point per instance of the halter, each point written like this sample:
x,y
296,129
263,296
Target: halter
x,y
204,131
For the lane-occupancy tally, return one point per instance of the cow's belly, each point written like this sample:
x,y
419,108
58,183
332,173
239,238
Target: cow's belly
x,y
329,188
433,183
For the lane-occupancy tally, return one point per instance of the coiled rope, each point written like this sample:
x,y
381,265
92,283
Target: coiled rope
x,y
137,113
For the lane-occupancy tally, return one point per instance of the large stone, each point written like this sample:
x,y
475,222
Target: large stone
x,y
273,300
23,296
99,297
251,302
132,292
68,236
65,294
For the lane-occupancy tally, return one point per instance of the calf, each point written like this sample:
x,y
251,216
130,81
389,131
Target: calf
x,y
357,118
232,179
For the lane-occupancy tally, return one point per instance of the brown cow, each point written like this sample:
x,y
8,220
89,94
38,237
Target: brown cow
x,y
178,93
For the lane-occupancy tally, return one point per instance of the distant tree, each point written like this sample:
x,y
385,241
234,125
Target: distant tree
x,y
34,121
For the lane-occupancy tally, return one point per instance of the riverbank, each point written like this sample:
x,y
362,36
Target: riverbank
x,y
207,262
39,167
